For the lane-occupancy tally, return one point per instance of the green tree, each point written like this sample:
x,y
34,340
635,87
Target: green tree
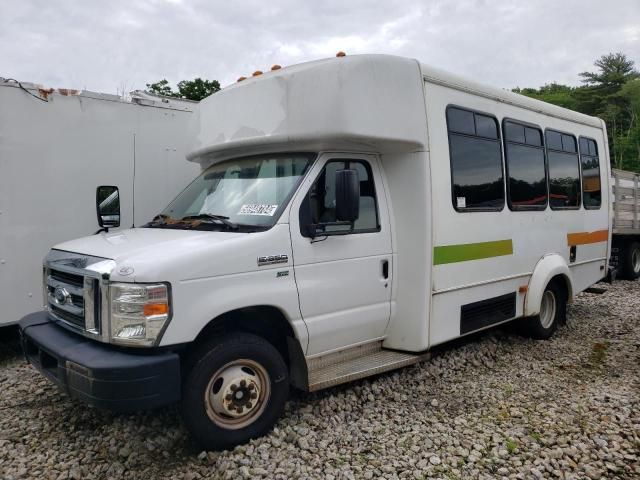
x,y
161,88
558,94
195,89
611,92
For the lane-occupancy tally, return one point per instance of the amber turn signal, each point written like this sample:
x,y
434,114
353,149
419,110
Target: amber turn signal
x,y
151,309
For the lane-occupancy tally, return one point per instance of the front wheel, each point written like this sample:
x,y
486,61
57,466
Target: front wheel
x,y
553,311
235,390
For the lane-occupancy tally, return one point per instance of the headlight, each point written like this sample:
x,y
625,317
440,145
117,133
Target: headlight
x,y
138,313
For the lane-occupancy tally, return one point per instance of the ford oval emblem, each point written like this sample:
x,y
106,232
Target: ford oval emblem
x,y
61,296
125,271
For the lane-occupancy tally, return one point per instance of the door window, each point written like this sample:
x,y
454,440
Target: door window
x,y
322,197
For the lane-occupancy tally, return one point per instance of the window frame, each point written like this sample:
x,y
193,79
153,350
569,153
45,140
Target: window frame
x,y
580,155
498,140
533,208
577,153
368,167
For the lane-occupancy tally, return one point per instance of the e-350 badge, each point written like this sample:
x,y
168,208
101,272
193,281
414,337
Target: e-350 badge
x,y
272,259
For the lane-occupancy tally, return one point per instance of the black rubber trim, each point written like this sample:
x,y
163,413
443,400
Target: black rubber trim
x,y
477,315
98,374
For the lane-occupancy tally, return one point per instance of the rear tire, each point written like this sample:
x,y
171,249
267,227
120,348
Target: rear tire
x,y
630,261
553,311
235,390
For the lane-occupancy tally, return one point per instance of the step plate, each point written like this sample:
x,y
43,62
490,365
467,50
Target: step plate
x,y
360,367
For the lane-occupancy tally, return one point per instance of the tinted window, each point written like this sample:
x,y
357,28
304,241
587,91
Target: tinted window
x,y
486,126
476,170
533,136
322,196
591,189
564,180
568,143
554,140
527,179
461,121
514,132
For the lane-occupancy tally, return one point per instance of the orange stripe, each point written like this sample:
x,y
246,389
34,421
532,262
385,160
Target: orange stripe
x,y
583,238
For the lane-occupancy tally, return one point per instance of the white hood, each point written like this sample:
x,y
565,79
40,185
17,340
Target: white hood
x,y
156,254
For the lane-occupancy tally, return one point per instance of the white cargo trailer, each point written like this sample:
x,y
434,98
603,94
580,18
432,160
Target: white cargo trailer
x,y
625,252
352,214
56,148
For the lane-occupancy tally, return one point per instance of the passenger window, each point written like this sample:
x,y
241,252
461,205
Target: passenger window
x,y
591,189
476,161
527,178
322,197
564,171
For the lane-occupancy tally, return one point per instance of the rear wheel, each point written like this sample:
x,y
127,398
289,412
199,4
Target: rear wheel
x,y
235,390
553,311
630,261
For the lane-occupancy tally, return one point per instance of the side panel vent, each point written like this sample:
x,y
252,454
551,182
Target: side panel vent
x,y
477,315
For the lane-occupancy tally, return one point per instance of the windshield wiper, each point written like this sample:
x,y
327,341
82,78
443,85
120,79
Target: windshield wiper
x,y
212,218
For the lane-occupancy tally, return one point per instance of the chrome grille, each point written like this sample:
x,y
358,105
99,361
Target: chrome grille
x,y
65,297
75,290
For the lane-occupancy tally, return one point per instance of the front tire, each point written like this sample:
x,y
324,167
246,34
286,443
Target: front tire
x,y
234,391
553,311
630,261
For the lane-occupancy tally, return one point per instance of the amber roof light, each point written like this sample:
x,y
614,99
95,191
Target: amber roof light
x,y
341,54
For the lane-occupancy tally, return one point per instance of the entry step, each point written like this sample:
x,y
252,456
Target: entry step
x,y
358,362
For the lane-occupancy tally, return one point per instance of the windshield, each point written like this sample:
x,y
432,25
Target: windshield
x,y
247,191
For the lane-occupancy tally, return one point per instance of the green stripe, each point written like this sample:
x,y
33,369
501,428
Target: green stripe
x,y
471,251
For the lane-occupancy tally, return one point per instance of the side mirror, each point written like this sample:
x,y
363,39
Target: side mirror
x,y
347,196
108,206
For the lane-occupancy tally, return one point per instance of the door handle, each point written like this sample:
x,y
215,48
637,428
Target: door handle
x,y
385,269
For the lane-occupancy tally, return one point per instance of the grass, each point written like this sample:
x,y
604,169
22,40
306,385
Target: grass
x,y
511,446
536,436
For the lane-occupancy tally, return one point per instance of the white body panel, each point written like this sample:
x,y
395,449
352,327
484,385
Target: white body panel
x,y
54,154
390,112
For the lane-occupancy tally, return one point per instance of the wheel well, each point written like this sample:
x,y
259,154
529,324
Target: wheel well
x,y
269,323
562,282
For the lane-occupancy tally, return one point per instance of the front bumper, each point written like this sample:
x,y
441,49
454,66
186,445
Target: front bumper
x,y
100,374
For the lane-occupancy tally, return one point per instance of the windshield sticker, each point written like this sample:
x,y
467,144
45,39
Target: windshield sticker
x,y
258,209
461,202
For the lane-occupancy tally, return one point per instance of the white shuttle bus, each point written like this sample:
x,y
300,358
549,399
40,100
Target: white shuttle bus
x,y
351,214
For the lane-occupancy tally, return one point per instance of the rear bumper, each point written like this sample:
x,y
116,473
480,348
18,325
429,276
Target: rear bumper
x,y
99,374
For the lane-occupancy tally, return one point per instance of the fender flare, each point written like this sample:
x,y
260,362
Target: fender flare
x,y
548,266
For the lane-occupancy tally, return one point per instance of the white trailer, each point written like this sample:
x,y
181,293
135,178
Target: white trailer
x,y
352,213
56,148
625,254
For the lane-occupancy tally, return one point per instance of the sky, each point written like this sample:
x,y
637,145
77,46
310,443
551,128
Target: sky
x,y
117,46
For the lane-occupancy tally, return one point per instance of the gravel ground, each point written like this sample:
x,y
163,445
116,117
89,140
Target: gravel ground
x,y
495,406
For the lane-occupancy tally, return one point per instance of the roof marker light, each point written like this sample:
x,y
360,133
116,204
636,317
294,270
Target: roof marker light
x,y
241,79
276,67
256,73
341,54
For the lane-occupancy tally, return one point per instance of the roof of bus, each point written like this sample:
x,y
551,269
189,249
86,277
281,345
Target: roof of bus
x,y
442,77
360,101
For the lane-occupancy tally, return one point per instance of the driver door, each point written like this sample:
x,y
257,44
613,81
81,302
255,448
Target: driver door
x,y
344,277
